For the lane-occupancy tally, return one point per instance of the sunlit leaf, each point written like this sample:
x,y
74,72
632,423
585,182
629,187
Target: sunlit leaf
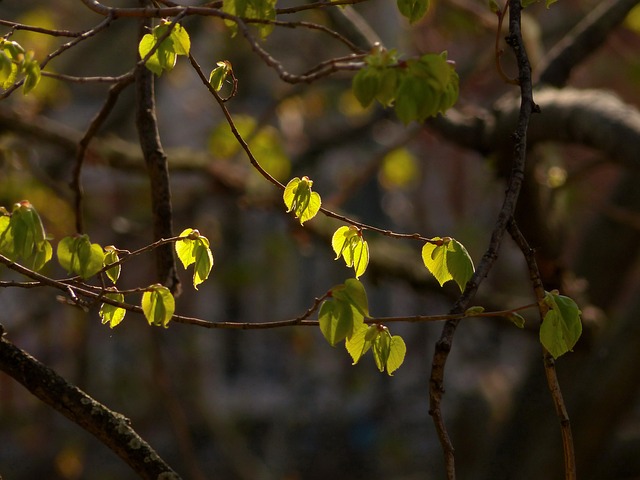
x,y
158,305
397,352
561,327
185,248
381,349
448,261
336,320
112,314
32,75
111,256
194,249
360,342
219,74
254,9
347,241
176,43
22,236
299,198
78,255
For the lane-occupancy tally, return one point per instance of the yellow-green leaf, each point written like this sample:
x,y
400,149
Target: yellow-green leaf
x,y
448,260
347,242
158,305
111,256
561,327
78,255
185,248
299,199
112,314
360,342
194,248
22,236
219,74
397,352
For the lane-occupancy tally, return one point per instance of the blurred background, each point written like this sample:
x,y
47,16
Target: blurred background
x,y
283,404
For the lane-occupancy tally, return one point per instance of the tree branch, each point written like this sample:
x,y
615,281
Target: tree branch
x,y
111,428
443,345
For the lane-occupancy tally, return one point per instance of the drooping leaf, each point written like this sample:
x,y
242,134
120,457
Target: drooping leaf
x,y
360,342
111,256
252,9
299,198
32,74
78,255
355,293
413,10
397,352
347,241
448,261
158,305
22,236
561,327
112,314
219,74
366,85
516,319
203,261
381,349
176,42
194,249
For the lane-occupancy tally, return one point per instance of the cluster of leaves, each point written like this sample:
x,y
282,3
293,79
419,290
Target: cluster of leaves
x,y
262,10
169,40
417,88
14,63
342,317
23,239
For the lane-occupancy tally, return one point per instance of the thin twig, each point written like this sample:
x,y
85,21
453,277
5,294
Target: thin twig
x,y
549,361
443,345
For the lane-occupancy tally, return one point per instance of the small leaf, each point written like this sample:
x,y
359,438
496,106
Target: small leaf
x,y
258,9
336,321
516,319
356,295
299,198
158,305
414,10
111,256
194,249
110,313
22,237
185,248
180,41
347,242
78,255
360,342
471,311
397,352
203,261
448,261
381,349
561,327
32,75
366,84
219,74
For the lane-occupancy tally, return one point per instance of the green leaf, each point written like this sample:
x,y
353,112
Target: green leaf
x,y
448,261
110,313
516,319
336,320
22,237
111,256
472,311
253,9
397,352
382,348
354,293
561,327
347,242
78,255
361,340
219,74
299,198
158,305
414,10
32,74
342,314
164,57
366,85
194,249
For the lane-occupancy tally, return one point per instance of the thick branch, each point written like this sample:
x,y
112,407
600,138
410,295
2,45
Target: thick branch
x,y
582,41
156,161
111,428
